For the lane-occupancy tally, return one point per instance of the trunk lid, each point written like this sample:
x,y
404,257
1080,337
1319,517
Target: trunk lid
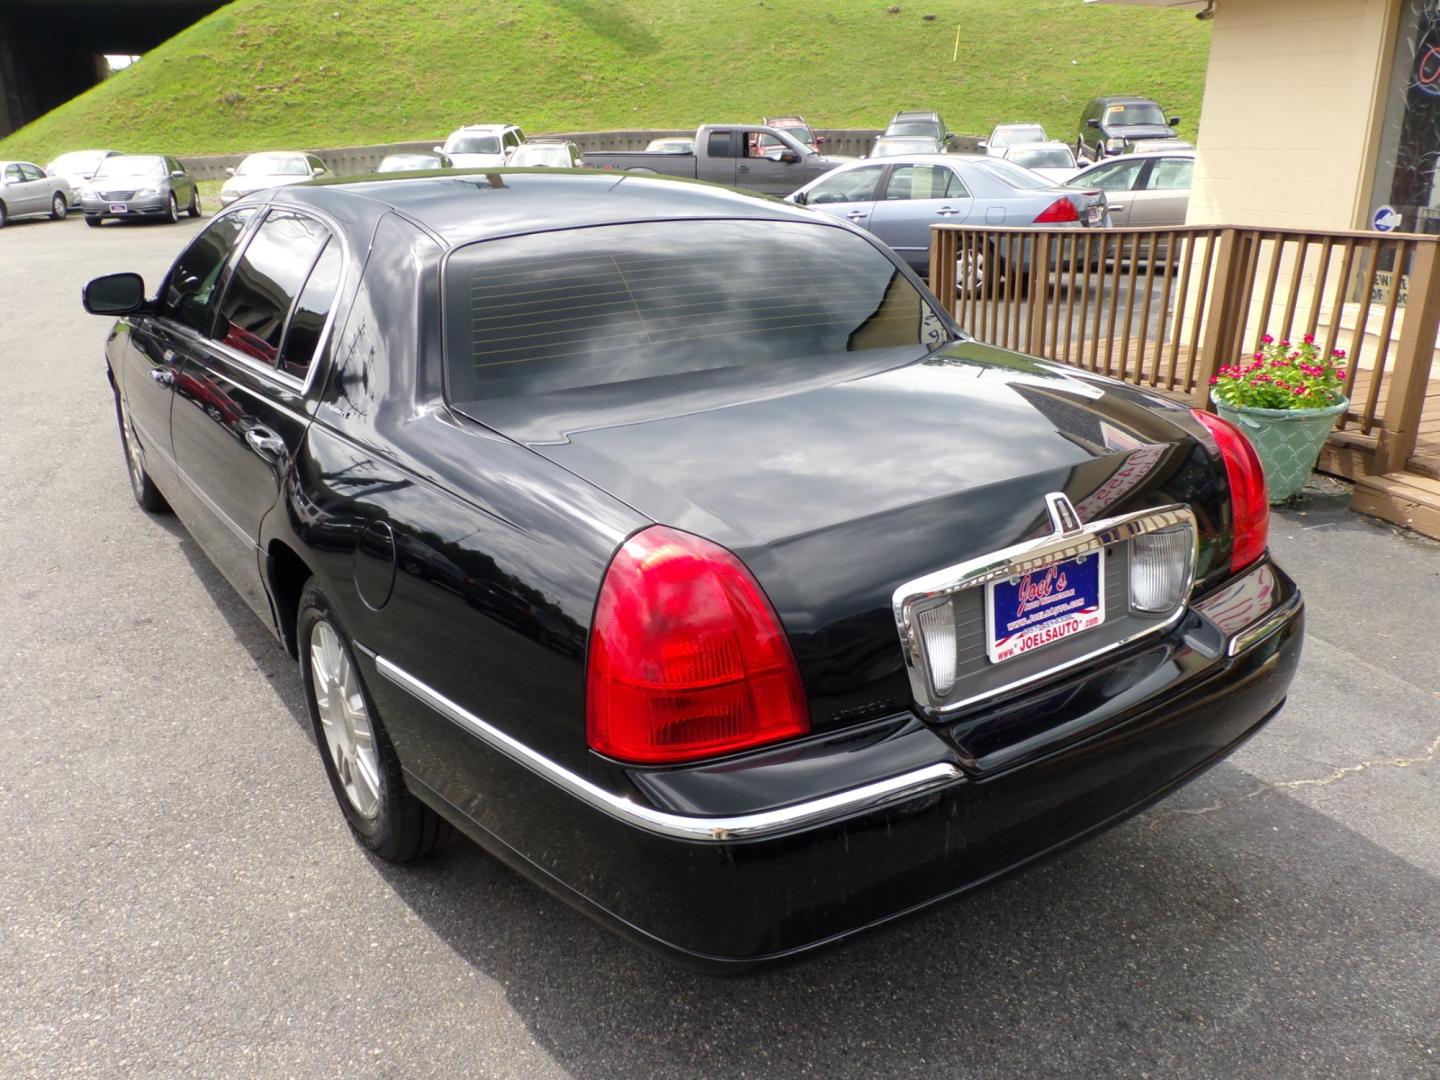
x,y
837,490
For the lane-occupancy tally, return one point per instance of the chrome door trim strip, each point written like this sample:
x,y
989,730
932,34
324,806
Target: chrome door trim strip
x,y
763,823
1069,539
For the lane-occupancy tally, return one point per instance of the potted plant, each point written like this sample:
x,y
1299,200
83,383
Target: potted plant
x,y
1286,399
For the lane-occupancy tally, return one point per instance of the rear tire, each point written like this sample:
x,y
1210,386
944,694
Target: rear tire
x,y
141,486
57,207
194,208
359,759
172,210
4,216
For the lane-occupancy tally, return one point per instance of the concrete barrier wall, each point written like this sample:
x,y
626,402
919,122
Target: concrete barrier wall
x,y
358,160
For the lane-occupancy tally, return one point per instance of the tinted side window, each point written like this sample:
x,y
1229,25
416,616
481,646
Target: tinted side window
x,y
12,172
191,285
720,144
31,172
919,182
1170,174
307,322
853,185
265,283
1117,177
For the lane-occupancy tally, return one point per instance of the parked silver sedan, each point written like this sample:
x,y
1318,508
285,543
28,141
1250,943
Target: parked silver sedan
x,y
418,162
898,199
1055,161
1143,189
140,185
900,145
554,154
77,167
25,190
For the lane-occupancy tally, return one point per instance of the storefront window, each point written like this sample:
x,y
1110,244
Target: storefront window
x,y
1407,177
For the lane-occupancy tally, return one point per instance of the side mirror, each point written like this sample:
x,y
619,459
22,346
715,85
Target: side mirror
x,y
789,157
114,294
437,149
798,198
321,170
177,173
1174,121
229,170
1093,123
949,135
982,146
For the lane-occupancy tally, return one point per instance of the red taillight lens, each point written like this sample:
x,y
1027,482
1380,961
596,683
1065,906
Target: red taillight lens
x,y
1249,501
687,657
1058,212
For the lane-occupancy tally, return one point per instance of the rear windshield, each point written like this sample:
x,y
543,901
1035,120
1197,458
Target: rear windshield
x,y
659,301
1013,175
473,144
1058,158
915,127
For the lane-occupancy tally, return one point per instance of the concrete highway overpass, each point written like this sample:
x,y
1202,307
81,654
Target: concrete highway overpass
x,y
51,50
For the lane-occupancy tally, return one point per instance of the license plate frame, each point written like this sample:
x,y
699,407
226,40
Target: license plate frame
x,y
1094,214
1051,603
119,208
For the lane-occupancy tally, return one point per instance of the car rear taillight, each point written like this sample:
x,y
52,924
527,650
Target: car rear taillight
x,y
687,657
1249,501
1058,212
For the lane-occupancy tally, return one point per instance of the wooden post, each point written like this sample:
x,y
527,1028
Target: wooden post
x,y
1219,314
1038,295
942,266
1415,353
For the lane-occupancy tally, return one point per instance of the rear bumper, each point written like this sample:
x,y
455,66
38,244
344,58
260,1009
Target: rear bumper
x,y
912,815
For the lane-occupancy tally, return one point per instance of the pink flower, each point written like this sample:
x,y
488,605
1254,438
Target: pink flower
x,y
1302,391
1268,340
1309,339
1339,354
1340,373
1213,380
1285,344
1258,356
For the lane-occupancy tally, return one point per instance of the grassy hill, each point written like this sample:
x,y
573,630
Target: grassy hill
x,y
265,74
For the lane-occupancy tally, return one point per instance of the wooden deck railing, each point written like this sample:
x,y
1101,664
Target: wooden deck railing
x,y
1164,308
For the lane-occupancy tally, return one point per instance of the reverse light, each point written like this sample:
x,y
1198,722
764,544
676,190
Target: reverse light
x,y
1058,212
1160,569
687,657
1249,500
937,631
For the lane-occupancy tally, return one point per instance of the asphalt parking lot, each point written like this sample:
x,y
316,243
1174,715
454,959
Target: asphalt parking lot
x,y
179,895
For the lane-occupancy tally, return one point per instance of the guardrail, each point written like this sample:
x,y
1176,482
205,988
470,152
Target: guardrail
x,y
1164,308
358,160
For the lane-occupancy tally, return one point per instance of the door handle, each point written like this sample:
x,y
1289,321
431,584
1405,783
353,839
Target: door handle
x,y
742,168
164,378
265,441
1117,206
855,215
946,211
168,356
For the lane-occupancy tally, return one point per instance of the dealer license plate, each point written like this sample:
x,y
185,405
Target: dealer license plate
x,y
119,208
1047,605
1094,213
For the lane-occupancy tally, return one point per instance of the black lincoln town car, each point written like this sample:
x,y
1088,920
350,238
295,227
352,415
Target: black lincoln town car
x,y
673,545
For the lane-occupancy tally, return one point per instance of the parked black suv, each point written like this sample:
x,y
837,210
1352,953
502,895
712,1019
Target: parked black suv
x,y
1113,125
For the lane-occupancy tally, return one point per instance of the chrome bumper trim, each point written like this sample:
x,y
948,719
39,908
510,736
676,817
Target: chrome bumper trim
x,y
1271,624
764,823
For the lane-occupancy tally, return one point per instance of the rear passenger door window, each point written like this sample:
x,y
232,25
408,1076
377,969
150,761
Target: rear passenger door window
x,y
1170,174
312,312
267,280
1116,176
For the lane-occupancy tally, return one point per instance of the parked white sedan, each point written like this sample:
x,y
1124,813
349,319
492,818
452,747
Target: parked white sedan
x,y
1053,160
271,169
25,190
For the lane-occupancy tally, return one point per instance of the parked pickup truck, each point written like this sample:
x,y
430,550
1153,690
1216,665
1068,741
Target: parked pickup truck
x,y
731,154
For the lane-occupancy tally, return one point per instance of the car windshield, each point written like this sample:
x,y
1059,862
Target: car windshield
x,y
800,131
540,155
890,147
928,128
273,165
131,168
1017,136
1013,175
473,144
584,309
1134,114
77,161
405,162
1058,157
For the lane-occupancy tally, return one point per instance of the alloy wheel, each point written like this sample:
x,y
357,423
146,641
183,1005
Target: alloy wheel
x,y
57,207
174,209
345,720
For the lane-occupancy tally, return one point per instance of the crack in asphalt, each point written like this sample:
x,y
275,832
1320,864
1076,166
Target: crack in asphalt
x,y
1429,755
